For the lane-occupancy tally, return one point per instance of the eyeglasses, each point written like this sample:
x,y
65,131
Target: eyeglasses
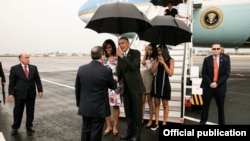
x,y
216,48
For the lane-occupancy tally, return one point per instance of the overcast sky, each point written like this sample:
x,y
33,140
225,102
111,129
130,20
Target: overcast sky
x,y
44,26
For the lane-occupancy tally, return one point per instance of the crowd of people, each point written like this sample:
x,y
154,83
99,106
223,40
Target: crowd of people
x,y
138,80
116,76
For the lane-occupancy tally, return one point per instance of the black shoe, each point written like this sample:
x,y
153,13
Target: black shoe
x,y
30,129
154,127
125,137
14,132
202,123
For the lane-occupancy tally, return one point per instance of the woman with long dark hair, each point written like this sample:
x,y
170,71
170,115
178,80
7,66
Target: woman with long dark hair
x,y
163,68
147,77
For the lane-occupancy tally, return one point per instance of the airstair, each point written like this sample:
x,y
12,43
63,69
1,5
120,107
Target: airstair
x,y
183,62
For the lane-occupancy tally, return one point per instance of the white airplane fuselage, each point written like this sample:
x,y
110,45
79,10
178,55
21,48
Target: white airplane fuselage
x,y
216,21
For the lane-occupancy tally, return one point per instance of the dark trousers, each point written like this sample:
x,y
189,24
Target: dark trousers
x,y
92,128
18,112
133,108
207,96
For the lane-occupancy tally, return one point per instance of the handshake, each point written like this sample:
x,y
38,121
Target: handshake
x,y
115,78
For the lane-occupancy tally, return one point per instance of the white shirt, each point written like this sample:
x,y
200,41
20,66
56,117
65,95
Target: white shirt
x,y
24,68
217,59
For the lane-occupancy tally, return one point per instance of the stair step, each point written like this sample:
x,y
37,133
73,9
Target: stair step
x,y
178,58
176,52
178,63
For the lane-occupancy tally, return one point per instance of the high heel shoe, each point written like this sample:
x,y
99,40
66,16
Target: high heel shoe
x,y
105,133
115,133
149,124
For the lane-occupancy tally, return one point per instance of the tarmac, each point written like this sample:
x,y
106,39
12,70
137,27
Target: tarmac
x,y
56,116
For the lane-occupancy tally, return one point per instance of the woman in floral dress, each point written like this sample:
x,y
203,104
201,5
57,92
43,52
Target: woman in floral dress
x,y
114,95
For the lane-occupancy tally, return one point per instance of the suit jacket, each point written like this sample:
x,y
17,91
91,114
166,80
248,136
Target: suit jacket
x,y
2,73
128,69
226,56
91,89
208,73
22,87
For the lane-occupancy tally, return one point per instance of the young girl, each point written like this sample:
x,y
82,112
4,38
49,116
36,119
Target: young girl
x,y
147,77
163,67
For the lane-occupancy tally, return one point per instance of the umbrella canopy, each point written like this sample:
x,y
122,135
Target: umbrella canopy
x,y
164,2
118,18
166,30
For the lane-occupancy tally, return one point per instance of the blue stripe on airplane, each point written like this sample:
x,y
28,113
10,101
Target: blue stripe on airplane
x,y
94,4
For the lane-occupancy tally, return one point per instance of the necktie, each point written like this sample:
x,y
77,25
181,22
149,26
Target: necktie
x,y
26,71
216,70
125,54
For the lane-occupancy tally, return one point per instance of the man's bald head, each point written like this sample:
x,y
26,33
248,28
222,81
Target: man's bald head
x,y
97,52
24,58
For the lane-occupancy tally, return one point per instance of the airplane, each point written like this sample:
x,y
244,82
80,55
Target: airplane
x,y
221,21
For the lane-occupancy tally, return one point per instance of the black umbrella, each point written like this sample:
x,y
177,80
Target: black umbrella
x,y
164,2
118,18
166,30
3,91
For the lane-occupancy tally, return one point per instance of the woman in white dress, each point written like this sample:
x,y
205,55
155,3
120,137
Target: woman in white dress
x,y
147,77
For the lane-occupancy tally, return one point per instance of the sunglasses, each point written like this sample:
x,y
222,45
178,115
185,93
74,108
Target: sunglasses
x,y
216,48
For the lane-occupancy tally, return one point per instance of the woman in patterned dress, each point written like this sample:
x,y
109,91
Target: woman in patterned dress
x,y
114,95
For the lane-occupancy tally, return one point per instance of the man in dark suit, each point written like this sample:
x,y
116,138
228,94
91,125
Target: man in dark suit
x,y
128,70
22,89
3,80
222,53
91,90
2,74
214,83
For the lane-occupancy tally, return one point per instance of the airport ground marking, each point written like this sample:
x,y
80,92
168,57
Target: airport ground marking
x,y
63,85
198,120
58,84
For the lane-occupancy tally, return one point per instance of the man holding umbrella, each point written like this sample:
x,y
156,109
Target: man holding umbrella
x,y
128,70
2,81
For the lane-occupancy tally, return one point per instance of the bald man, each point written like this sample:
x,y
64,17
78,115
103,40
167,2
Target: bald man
x,y
24,80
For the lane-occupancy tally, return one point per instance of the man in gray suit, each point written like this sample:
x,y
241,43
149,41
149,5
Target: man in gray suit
x,y
91,90
128,70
